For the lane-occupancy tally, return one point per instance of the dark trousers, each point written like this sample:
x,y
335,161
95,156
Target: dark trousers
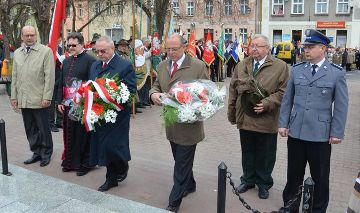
x,y
37,128
318,155
55,117
183,174
116,168
258,157
144,92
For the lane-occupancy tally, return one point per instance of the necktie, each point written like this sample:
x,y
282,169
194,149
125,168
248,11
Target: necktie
x,y
314,66
256,68
104,65
175,68
28,49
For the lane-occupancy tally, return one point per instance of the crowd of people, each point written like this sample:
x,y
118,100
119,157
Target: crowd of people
x,y
309,106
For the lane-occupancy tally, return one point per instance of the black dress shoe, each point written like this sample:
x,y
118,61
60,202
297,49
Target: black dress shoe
x,y
107,185
244,187
188,191
33,159
138,111
141,106
44,162
263,193
66,169
172,208
54,129
122,177
83,171
146,104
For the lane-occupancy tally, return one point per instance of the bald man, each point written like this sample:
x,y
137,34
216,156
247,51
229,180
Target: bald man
x,y
33,78
183,137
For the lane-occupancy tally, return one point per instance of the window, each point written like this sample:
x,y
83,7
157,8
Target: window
x,y
321,6
97,8
278,7
228,34
115,33
209,8
244,5
277,36
342,6
108,6
243,35
120,8
80,11
297,7
227,7
176,9
211,33
190,8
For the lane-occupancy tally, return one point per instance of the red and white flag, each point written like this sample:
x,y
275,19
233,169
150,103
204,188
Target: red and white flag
x,y
208,55
191,44
58,16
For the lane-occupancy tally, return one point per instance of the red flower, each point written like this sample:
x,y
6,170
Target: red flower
x,y
183,97
100,81
98,109
113,85
204,96
96,96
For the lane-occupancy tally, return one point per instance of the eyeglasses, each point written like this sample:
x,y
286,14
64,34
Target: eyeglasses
x,y
174,49
29,35
100,51
71,45
255,46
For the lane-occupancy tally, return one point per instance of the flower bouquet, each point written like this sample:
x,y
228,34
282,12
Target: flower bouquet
x,y
188,102
99,100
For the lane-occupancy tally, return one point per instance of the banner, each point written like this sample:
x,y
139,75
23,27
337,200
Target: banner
x,y
208,55
191,45
58,16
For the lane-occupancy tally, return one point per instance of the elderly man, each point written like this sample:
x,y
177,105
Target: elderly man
x,y
255,94
109,145
33,79
76,139
183,137
313,116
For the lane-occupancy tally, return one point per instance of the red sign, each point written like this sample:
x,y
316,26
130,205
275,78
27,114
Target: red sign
x,y
330,24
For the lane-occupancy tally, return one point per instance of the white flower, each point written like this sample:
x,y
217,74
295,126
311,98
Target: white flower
x,y
110,116
196,88
93,117
186,114
207,110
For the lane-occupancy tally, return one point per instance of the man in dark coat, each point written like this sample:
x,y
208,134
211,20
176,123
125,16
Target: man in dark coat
x,y
110,142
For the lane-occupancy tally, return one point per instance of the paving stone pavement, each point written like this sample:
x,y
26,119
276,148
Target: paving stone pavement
x,y
150,175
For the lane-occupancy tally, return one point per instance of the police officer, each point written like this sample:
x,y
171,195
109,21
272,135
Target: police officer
x,y
313,115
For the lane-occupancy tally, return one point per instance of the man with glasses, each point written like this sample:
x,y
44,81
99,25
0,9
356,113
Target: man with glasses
x,y
183,137
32,86
255,94
313,116
76,140
109,144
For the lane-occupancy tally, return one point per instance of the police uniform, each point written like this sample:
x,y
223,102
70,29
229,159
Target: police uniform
x,y
314,108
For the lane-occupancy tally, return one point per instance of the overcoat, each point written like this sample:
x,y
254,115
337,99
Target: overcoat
x,y
33,76
314,108
190,69
110,142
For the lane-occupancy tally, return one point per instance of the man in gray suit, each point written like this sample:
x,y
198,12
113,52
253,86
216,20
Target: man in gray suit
x,y
313,116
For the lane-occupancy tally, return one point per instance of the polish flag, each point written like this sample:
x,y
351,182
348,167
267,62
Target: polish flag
x,y
59,14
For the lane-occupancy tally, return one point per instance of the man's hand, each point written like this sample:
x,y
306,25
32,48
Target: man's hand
x,y
156,98
284,132
334,140
14,103
61,108
259,108
45,103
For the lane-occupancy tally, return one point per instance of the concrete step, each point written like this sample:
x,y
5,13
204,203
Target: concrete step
x,y
31,192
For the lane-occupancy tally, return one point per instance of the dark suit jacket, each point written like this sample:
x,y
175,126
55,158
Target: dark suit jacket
x,y
110,142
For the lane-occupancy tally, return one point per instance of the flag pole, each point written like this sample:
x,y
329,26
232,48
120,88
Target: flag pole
x,y
220,68
133,46
152,33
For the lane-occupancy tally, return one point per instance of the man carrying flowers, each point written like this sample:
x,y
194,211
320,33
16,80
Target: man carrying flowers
x,y
110,138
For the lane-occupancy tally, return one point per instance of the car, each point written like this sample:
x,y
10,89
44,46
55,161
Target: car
x,y
285,49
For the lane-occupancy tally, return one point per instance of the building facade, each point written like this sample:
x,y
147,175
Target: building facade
x,y
235,17
287,20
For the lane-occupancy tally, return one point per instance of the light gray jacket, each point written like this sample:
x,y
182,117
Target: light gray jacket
x,y
314,108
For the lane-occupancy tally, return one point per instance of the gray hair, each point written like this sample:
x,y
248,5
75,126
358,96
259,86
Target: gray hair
x,y
263,37
146,39
107,39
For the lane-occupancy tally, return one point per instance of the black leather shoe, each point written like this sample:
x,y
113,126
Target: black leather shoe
x,y
263,193
44,162
33,159
146,104
244,187
138,111
54,129
122,177
141,106
172,208
188,191
83,171
107,185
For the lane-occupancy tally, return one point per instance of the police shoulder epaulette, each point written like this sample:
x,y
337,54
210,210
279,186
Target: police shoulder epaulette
x,y
295,65
337,66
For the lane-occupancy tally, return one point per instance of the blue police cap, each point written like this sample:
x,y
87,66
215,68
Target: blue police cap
x,y
316,37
